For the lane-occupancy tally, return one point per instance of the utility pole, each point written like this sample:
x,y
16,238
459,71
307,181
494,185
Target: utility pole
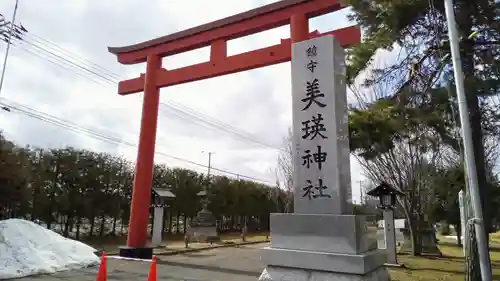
x,y
210,153
482,243
8,39
209,161
36,187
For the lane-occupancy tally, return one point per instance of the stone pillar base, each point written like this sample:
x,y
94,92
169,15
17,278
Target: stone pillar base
x,y
314,247
135,252
275,273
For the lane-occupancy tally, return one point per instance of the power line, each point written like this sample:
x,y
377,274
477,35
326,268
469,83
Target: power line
x,y
111,78
215,123
57,121
173,108
54,57
30,112
73,55
76,65
56,62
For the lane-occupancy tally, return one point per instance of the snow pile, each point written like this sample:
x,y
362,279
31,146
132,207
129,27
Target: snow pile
x,y
27,249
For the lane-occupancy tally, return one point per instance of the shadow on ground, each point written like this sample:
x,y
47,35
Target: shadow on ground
x,y
211,268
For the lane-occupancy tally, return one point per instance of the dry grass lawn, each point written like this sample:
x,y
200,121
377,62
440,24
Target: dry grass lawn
x,y
450,267
110,244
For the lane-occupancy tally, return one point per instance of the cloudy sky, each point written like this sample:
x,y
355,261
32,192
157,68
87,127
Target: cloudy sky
x,y
63,69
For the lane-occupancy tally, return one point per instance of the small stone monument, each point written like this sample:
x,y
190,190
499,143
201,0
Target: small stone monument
x,y
427,239
322,239
203,228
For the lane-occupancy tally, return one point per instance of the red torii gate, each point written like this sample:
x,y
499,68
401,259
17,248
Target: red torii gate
x,y
214,34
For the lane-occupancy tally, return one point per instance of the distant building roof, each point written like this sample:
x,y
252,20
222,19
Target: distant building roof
x,y
164,192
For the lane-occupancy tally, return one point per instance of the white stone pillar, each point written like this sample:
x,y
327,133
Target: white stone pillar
x,y
157,227
322,239
390,237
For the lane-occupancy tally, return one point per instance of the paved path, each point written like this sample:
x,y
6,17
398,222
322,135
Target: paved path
x,y
223,264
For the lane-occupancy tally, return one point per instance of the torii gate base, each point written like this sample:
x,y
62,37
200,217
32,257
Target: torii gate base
x,y
215,34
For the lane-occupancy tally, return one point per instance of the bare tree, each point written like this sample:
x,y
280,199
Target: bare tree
x,y
284,171
410,169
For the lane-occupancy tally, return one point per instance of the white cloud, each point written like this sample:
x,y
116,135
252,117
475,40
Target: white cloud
x,y
257,101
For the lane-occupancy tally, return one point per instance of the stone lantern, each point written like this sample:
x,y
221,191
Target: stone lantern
x,y
387,200
161,196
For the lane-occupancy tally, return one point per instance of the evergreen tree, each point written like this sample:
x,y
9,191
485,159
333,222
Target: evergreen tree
x,y
418,29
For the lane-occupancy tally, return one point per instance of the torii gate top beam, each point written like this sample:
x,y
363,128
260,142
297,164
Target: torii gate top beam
x,y
236,26
217,33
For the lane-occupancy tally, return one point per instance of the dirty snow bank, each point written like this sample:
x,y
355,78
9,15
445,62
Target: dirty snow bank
x,y
27,249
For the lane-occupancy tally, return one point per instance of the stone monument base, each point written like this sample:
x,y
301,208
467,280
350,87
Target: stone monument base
x,y
203,228
204,234
428,240
325,261
274,273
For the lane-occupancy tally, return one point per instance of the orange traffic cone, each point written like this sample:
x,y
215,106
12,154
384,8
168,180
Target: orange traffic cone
x,y
152,270
101,274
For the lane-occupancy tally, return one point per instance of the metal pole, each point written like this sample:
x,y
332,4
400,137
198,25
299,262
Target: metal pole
x,y
9,41
360,192
484,258
209,165
209,162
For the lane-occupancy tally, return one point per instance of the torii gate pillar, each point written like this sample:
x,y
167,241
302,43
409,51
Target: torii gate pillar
x,y
214,34
143,179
